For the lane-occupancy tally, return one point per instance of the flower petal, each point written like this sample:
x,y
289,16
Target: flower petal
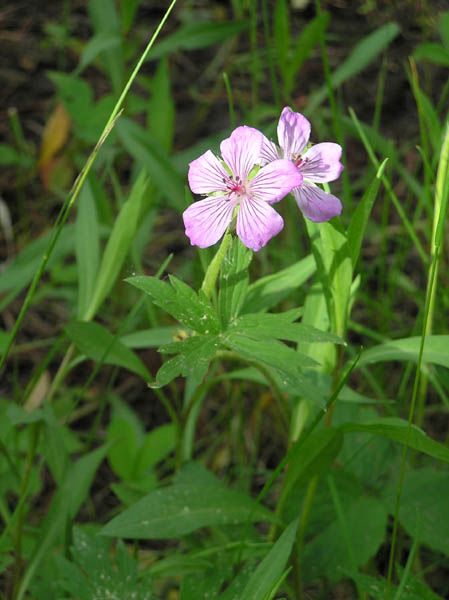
x,y
322,162
241,151
315,204
257,223
206,174
269,151
206,220
274,181
293,132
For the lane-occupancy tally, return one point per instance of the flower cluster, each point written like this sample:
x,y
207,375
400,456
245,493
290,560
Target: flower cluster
x,y
252,174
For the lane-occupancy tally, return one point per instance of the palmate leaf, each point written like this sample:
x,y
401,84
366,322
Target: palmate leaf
x,y
271,352
96,572
206,585
376,588
284,364
193,356
282,327
193,310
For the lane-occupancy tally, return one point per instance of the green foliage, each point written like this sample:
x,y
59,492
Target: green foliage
x,y
98,344
436,350
423,507
95,572
234,282
259,374
361,56
343,546
192,36
266,578
184,507
118,245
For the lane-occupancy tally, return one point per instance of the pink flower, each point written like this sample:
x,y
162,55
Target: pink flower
x,y
318,164
237,185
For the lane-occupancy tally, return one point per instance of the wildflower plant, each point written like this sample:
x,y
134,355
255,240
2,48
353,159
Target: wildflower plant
x,y
241,461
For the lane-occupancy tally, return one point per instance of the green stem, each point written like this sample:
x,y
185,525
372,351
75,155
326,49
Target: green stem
x,y
19,513
213,270
441,201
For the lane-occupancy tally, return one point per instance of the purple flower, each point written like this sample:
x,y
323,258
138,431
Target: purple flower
x,y
237,184
317,164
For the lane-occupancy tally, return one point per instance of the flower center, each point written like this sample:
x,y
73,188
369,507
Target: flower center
x,y
298,161
235,187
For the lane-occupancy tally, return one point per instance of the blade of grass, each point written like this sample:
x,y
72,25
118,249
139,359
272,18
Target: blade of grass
x,y
407,224
441,202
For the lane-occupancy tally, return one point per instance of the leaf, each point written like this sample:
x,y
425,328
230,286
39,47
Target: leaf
x,y
95,46
65,505
179,509
180,301
328,554
9,156
434,53
150,338
334,268
128,10
119,243
311,457
269,290
152,156
234,281
423,509
281,35
204,584
436,351
282,362
271,352
265,578
87,248
98,344
192,36
106,22
22,269
123,447
54,136
161,109
397,430
359,219
308,38
376,588
280,326
96,572
76,95
443,28
157,445
362,55
193,357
